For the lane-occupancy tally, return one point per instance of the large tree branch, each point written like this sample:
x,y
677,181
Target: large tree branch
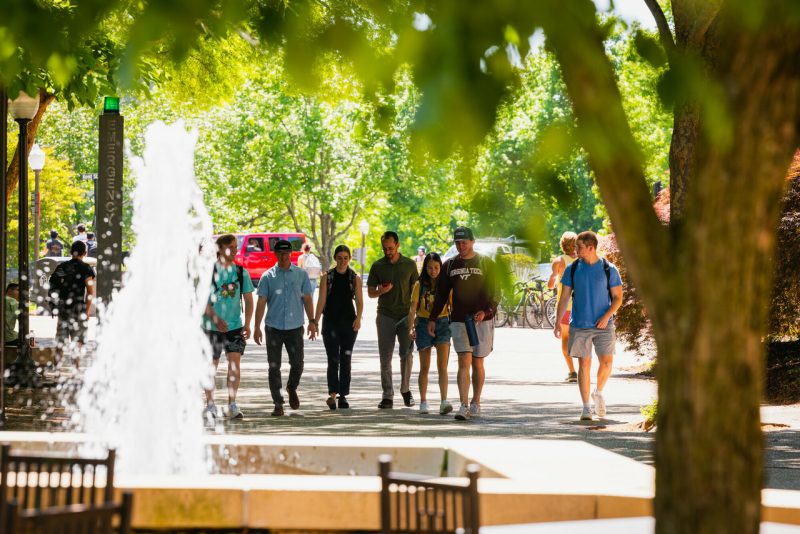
x,y
692,21
353,215
664,32
293,214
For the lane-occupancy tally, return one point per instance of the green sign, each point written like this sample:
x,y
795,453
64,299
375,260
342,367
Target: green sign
x,y
111,104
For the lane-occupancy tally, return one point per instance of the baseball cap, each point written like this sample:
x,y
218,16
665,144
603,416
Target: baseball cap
x,y
463,233
281,245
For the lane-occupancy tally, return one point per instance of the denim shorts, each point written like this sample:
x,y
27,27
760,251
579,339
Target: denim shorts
x,y
424,340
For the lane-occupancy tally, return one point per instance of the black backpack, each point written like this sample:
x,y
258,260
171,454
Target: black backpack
x,y
65,285
239,275
606,269
351,280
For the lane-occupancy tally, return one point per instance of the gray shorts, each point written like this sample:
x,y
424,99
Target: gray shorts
x,y
485,336
581,340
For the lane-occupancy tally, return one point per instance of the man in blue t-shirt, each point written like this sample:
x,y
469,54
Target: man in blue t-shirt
x,y
222,321
595,287
285,292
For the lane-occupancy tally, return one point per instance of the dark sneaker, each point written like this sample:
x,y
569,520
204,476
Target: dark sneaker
x,y
294,400
278,411
331,402
571,377
343,404
408,398
386,404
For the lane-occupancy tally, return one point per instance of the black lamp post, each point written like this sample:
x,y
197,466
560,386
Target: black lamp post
x,y
23,371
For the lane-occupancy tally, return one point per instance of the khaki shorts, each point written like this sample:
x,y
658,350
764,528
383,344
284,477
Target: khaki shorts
x,y
582,339
485,336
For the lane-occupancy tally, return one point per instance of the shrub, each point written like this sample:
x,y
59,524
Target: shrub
x,y
784,317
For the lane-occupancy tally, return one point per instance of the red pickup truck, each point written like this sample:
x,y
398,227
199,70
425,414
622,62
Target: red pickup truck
x,y
255,251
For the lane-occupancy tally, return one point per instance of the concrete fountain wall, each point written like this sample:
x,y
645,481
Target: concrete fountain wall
x,y
330,483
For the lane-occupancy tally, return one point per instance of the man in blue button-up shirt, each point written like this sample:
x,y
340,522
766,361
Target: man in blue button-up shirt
x,y
286,291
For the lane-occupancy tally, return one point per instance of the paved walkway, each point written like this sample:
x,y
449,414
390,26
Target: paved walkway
x,y
524,397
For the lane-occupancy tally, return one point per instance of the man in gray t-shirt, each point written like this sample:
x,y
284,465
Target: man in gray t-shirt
x,y
390,280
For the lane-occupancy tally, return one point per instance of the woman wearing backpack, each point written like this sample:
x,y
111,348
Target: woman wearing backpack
x,y
422,296
340,288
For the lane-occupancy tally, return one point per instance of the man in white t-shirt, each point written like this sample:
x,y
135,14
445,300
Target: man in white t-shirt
x,y
82,235
311,265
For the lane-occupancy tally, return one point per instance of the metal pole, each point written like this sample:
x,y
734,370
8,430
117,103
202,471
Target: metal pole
x,y
36,215
24,283
23,370
363,254
3,234
94,192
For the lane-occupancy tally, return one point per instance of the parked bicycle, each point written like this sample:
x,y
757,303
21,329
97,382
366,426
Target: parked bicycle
x,y
526,303
550,308
543,302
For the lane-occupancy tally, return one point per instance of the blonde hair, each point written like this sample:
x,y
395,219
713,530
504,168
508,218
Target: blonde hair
x,y
568,242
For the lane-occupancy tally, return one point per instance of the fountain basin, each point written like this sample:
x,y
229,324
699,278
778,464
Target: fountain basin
x,y
314,483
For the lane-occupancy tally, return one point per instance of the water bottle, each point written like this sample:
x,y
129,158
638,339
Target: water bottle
x,y
472,332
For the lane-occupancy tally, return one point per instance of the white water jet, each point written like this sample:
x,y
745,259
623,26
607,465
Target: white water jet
x,y
143,393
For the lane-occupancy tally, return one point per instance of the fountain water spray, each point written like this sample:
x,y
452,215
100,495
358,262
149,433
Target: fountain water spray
x,y
143,392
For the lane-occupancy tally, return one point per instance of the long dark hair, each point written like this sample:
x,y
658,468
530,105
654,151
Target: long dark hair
x,y
425,280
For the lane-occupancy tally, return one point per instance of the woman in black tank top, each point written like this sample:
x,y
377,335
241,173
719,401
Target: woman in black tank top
x,y
341,303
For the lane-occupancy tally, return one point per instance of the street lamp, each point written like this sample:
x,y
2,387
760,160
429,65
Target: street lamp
x,y
36,159
23,370
363,227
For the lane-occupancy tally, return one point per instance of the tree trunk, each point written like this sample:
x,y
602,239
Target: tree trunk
x,y
694,24
681,157
705,283
710,351
12,174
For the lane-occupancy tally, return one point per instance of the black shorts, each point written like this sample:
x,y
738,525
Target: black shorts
x,y
230,341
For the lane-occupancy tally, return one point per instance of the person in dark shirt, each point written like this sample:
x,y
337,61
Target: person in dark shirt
x,y
54,247
91,245
390,280
470,277
339,290
72,291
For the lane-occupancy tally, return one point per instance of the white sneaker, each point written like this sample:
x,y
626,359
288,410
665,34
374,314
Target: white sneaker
x,y
474,409
234,412
210,413
586,414
463,413
423,407
599,403
445,408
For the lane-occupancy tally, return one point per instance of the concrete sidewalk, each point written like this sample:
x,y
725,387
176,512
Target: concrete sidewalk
x,y
524,396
